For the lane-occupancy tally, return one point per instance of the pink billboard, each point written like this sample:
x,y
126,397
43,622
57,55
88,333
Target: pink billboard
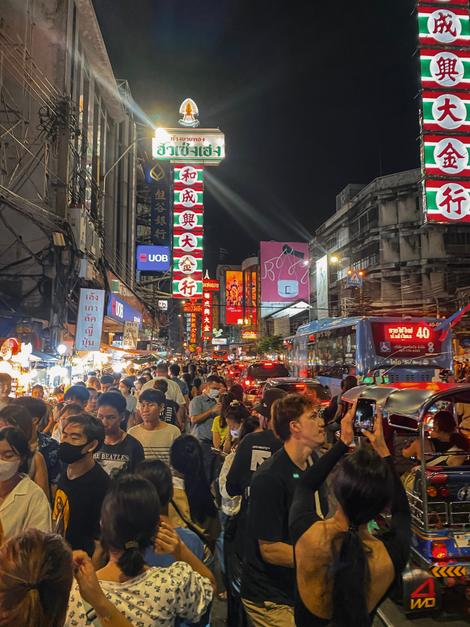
x,y
284,272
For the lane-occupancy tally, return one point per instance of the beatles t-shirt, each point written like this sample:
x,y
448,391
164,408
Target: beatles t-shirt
x,y
124,455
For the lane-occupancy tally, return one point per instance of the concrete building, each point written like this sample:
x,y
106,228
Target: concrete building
x,y
376,255
67,167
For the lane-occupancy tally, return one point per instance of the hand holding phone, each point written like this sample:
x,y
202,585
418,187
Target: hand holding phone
x,y
364,420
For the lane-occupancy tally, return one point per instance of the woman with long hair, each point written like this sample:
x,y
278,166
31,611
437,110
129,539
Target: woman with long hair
x,y
130,519
192,502
343,572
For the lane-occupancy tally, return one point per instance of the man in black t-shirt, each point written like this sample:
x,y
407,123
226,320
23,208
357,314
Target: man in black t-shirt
x,y
120,450
82,486
268,578
171,409
255,448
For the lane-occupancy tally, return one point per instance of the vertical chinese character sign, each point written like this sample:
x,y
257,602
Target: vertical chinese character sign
x,y
188,216
189,149
444,34
209,287
89,320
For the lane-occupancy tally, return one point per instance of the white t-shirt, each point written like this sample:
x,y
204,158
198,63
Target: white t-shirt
x,y
153,599
156,443
25,506
173,393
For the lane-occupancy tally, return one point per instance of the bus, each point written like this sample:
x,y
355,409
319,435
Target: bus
x,y
375,349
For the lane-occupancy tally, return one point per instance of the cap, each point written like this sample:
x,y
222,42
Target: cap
x,y
269,396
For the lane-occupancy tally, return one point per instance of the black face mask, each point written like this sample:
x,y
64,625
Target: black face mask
x,y
70,453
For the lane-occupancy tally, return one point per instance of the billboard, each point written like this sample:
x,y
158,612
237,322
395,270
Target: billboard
x,y
284,272
89,320
153,258
444,36
233,296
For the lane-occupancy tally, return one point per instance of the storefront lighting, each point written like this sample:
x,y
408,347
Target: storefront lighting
x,y
61,349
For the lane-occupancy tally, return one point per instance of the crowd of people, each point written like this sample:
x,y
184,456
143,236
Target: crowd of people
x,y
136,499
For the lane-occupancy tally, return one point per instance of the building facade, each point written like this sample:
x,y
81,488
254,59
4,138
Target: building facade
x,y
67,169
376,256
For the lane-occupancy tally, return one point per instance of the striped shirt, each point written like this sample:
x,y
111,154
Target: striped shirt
x,y
156,443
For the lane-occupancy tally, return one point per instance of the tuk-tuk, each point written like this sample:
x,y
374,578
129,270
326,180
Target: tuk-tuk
x,y
438,574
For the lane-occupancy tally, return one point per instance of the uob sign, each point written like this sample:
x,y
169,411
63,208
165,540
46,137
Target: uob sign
x,y
153,258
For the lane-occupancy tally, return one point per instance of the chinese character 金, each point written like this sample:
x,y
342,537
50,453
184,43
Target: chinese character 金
x,y
450,157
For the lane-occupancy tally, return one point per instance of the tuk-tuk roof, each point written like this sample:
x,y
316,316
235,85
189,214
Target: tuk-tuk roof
x,y
405,399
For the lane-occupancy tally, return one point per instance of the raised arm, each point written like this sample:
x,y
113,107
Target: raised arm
x,y
303,512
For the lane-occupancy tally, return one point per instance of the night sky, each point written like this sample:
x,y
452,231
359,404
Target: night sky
x,y
311,96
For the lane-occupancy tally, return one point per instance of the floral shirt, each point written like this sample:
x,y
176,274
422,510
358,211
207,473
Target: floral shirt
x,y
153,599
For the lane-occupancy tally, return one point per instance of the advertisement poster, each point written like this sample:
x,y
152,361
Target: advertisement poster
x,y
284,272
233,296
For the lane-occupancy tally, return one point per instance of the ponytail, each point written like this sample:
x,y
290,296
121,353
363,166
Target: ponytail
x,y
351,578
131,561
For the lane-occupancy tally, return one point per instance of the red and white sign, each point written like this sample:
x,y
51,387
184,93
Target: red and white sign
x,y
207,316
444,33
188,229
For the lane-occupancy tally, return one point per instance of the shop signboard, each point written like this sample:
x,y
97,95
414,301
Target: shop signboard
x,y
444,35
153,259
188,223
121,311
178,145
131,334
207,315
189,148
284,272
89,320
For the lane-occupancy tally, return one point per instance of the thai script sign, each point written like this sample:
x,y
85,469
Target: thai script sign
x,y
89,320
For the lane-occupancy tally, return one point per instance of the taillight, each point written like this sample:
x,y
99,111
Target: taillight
x,y
324,403
439,551
444,492
438,479
247,382
300,386
431,490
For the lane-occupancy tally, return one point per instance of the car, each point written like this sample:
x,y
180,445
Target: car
x,y
257,373
297,385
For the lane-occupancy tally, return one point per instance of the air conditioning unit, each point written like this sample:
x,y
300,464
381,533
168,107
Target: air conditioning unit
x,y
97,245
78,222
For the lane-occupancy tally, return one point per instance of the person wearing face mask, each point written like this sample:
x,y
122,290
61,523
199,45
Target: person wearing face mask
x,y
23,504
83,485
204,408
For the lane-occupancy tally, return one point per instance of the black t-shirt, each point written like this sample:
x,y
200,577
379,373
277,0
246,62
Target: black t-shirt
x,y
170,412
271,494
122,456
77,507
252,451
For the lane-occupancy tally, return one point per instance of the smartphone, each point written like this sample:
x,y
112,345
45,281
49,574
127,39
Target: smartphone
x,y
366,411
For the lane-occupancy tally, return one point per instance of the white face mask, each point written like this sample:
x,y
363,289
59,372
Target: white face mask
x,y
234,433
212,393
8,469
